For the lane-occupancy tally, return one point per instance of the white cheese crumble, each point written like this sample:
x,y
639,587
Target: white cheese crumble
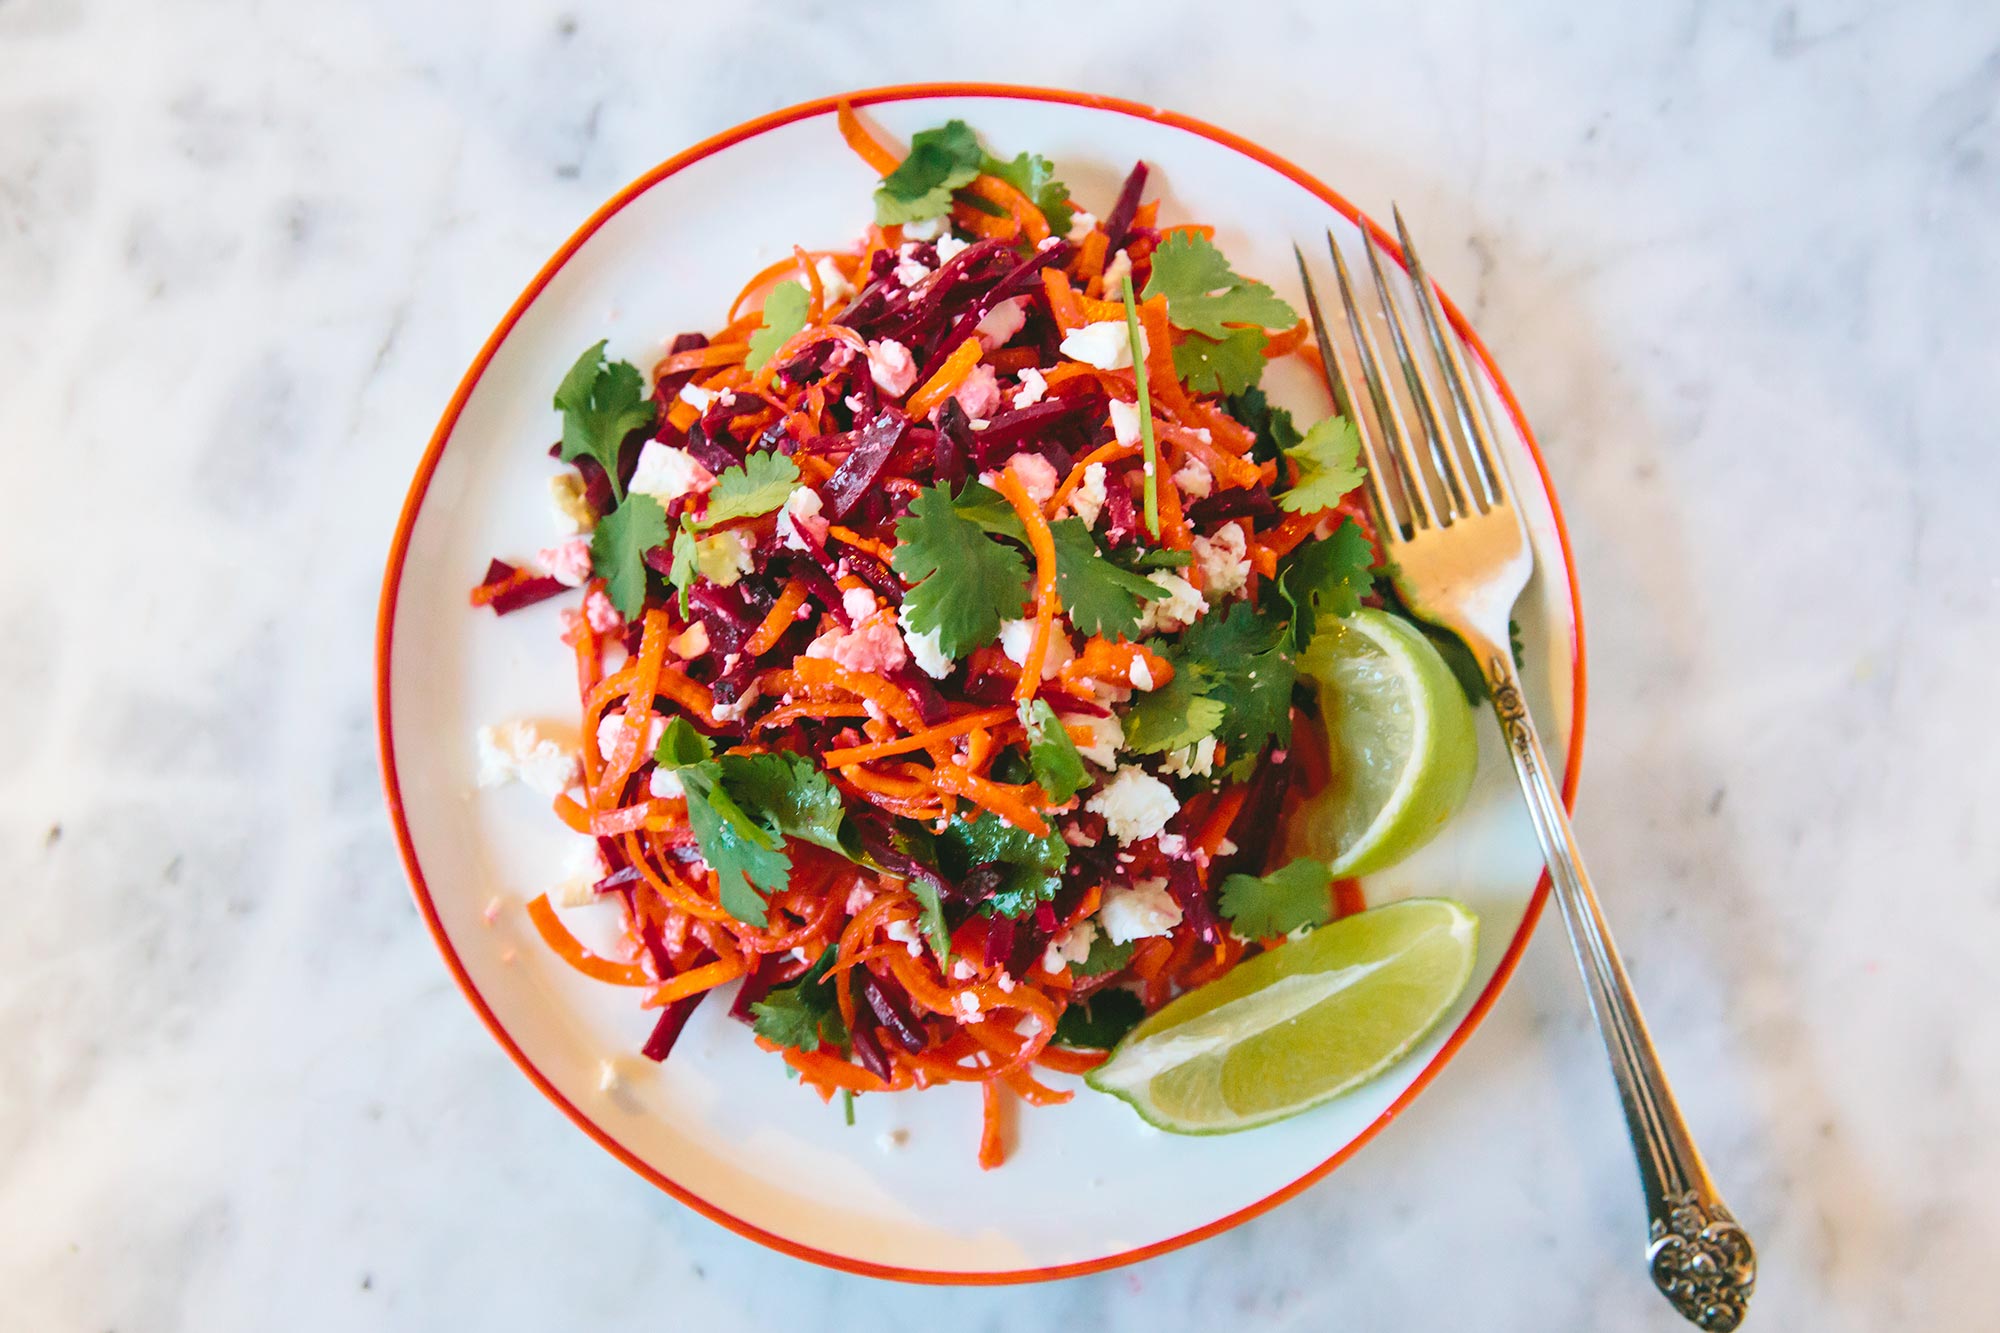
x,y
690,643
1033,386
925,650
723,557
905,934
834,288
665,784
667,473
803,508
890,366
1106,736
966,1006
925,229
611,724
1017,636
1195,479
1141,674
1105,344
519,751
568,563
699,399
1001,323
1037,475
1081,225
1115,273
1181,607
1224,562
1087,500
573,512
873,646
1135,804
1191,761
1145,909
949,248
735,712
859,603
583,867
1069,946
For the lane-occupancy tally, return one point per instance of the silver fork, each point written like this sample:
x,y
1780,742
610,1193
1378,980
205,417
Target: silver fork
x,y
1459,557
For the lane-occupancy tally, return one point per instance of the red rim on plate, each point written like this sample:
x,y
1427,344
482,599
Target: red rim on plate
x,y
413,503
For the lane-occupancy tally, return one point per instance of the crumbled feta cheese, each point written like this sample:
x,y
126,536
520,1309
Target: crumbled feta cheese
x,y
1143,910
581,870
602,615
905,934
1033,386
924,648
1195,479
925,229
1181,607
1087,500
697,398
1224,562
1227,848
1017,636
1106,736
1105,344
890,366
1124,421
966,1006
568,563
724,557
909,272
1116,271
1038,476
519,751
735,712
1069,946
690,643
980,393
611,724
1001,323
1191,761
1081,225
833,285
667,473
859,897
961,970
573,512
665,784
807,522
1076,837
1004,981
950,248
1171,844
1141,674
1135,804
874,646
859,603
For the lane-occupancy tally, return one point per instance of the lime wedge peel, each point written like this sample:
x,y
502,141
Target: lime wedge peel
x,y
1298,1025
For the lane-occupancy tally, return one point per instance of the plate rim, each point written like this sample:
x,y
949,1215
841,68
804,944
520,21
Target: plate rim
x,y
433,455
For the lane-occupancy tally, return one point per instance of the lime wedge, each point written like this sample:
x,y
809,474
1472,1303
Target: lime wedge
x,y
1399,739
1295,1026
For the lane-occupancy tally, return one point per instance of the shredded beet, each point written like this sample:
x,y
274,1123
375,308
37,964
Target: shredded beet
x,y
1118,226
667,387
1255,503
524,592
757,985
999,941
863,464
708,452
868,1051
667,1030
892,1006
1196,909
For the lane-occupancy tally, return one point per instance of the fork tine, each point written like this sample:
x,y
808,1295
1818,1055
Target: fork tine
x,y
1437,439
1423,513
1474,427
1336,383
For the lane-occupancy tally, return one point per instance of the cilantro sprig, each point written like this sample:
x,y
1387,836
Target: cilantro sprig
x,y
1326,578
1242,660
1101,1021
601,404
784,316
964,582
1329,462
804,1015
1260,907
1100,597
946,158
1206,296
1029,865
618,547
1052,754
1146,443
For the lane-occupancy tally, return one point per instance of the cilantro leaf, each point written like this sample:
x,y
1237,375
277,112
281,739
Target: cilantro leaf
x,y
760,483
602,404
1100,597
1104,956
686,565
749,861
1030,864
681,746
983,505
1280,902
1021,890
1034,176
1230,364
1249,673
1058,767
790,794
784,315
1329,459
618,547
1327,577
1204,294
1175,714
1275,430
965,583
920,187
804,1015
1100,1021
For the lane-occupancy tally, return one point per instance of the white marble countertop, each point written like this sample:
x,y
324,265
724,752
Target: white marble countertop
x,y
1738,261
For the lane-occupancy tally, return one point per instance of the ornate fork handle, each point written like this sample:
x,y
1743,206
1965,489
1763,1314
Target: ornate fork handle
x,y
1700,1259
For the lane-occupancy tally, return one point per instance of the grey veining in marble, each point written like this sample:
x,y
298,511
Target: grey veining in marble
x,y
1739,260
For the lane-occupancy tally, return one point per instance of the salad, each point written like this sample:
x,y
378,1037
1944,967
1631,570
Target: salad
x,y
940,637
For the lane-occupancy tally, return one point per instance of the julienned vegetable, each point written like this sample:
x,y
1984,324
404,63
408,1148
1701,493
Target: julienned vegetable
x,y
939,636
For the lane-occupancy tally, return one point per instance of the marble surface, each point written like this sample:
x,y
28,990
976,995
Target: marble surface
x,y
1738,260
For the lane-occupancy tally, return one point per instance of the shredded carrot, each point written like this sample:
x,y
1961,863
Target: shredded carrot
x,y
1088,266
1104,453
568,948
958,726
1015,804
627,750
946,381
1220,819
1068,1060
778,619
1111,663
701,358
693,982
1019,207
1283,344
880,158
1062,299
849,537
992,1147
1043,543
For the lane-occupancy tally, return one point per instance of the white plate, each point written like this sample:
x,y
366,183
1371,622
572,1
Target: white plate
x,y
719,1125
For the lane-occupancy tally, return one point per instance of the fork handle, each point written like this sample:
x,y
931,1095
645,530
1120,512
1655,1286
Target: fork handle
x,y
1701,1260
